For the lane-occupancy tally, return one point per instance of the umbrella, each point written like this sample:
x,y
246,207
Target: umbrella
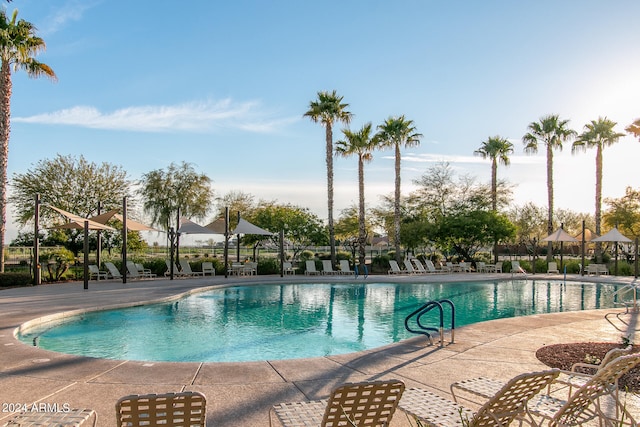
x,y
588,235
560,236
614,236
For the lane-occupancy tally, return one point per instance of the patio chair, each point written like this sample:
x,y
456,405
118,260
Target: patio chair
x,y
176,271
345,268
501,409
395,268
553,268
95,273
432,268
113,270
418,266
185,268
487,387
207,268
498,267
585,404
481,267
310,268
132,271
327,268
184,409
288,268
145,272
365,404
408,266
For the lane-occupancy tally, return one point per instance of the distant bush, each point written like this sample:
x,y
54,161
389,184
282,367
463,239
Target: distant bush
x,y
15,279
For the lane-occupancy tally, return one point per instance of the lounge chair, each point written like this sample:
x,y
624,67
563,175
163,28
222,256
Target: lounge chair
x,y
288,268
176,271
185,268
409,267
185,409
145,272
553,268
132,271
584,405
113,270
515,268
501,409
327,268
395,268
358,404
207,268
432,268
310,268
95,273
418,266
345,268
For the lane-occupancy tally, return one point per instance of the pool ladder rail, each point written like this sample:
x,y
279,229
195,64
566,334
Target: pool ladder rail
x,y
418,327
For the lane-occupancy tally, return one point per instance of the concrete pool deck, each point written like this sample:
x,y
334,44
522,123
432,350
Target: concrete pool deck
x,y
240,394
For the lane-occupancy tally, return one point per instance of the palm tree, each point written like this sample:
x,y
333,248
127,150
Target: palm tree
x,y
634,128
397,132
497,149
362,144
552,132
599,134
328,109
18,47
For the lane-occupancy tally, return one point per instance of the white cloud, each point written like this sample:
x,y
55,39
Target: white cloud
x,y
72,11
190,117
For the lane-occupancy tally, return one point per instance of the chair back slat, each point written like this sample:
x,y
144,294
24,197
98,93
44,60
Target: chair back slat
x,y
363,404
185,409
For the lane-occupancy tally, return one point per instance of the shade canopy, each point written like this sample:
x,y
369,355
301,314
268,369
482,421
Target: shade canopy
x,y
612,236
588,235
76,222
131,224
245,227
559,236
217,226
189,227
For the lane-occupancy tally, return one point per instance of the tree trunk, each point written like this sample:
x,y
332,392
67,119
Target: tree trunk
x,y
362,232
598,200
550,199
396,205
5,115
494,200
332,233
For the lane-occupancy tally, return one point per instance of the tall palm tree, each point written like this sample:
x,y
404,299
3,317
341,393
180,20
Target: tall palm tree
x,y
397,132
599,134
18,47
327,110
552,132
360,143
497,149
634,128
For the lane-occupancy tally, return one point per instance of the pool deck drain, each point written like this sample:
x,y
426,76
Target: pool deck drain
x,y
240,394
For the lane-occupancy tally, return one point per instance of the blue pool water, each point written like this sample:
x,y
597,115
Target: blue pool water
x,y
268,322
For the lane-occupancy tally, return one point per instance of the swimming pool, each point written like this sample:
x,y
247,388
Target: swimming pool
x,y
268,322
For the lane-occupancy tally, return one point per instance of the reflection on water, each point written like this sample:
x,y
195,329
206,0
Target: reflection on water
x,y
300,320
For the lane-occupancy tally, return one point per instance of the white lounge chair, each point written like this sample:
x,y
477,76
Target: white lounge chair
x,y
288,268
409,267
145,272
95,273
345,268
311,268
395,268
515,268
432,268
327,268
132,271
176,271
113,270
207,268
553,268
418,266
185,267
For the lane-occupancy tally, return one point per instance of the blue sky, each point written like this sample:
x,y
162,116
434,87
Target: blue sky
x,y
224,86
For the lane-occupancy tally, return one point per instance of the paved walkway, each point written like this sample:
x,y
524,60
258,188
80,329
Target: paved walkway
x,y
240,394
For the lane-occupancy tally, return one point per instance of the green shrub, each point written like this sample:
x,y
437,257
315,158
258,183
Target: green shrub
x,y
56,263
268,266
306,255
14,279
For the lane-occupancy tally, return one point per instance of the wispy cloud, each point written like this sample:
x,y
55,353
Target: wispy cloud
x,y
71,11
190,117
